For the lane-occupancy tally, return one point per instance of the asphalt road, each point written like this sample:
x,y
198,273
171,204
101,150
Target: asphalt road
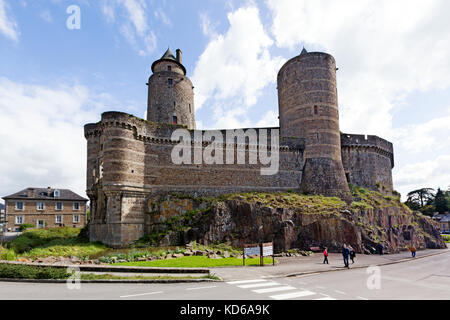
x,y
421,279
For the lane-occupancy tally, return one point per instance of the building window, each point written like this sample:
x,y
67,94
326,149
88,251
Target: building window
x,y
59,206
19,206
170,82
169,68
56,193
76,219
19,219
316,110
174,120
76,206
58,219
40,206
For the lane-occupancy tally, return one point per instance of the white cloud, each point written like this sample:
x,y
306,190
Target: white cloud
x,y
433,173
269,119
235,67
383,49
429,137
135,28
161,15
41,138
208,28
8,26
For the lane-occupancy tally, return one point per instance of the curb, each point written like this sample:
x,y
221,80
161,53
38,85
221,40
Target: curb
x,y
112,281
291,275
123,269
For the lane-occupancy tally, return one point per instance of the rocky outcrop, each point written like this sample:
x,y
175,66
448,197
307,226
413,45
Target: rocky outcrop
x,y
320,221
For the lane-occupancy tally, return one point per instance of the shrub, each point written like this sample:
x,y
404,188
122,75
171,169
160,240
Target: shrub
x,y
26,226
12,271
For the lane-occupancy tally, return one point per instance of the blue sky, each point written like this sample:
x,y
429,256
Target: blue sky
x,y
393,81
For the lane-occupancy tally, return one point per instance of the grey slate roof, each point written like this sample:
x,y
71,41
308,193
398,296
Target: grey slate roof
x,y
46,194
168,55
446,218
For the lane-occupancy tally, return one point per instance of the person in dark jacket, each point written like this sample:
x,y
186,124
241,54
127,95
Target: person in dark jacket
x,y
352,254
380,249
345,254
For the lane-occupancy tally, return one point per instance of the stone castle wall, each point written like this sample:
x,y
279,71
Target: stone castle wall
x,y
368,161
130,162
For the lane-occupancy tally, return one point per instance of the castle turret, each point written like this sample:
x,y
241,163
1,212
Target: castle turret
x,y
170,92
308,107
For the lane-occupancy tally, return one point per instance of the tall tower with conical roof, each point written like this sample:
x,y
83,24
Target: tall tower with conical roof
x,y
170,92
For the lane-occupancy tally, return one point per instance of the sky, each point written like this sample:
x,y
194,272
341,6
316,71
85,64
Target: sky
x,y
56,76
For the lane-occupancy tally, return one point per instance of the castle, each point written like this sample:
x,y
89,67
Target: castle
x,y
129,159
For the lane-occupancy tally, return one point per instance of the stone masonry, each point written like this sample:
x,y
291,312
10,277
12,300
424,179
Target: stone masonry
x,y
129,159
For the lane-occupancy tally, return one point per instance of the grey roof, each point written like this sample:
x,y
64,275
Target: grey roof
x,y
304,51
168,55
446,218
46,194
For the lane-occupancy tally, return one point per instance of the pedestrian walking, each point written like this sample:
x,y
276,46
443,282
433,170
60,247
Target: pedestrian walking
x,y
352,254
380,249
345,254
325,256
413,251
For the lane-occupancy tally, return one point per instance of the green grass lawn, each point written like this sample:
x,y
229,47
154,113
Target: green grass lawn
x,y
195,262
446,238
90,276
56,242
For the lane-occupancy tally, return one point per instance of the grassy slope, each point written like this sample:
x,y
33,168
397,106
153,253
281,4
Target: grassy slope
x,y
62,242
196,262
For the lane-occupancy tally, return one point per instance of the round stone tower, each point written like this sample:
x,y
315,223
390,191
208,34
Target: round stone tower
x,y
308,108
170,92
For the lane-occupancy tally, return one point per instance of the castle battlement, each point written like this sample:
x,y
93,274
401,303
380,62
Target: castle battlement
x,y
130,164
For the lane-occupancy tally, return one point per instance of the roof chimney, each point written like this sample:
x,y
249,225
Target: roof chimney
x,y
30,193
179,56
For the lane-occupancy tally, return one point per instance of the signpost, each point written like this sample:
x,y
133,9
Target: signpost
x,y
262,250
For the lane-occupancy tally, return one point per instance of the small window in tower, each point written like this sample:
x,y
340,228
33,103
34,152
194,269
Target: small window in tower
x,y
174,120
190,111
315,110
170,81
169,68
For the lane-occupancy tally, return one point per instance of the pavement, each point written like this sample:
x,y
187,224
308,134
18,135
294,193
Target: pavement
x,y
423,278
9,236
289,266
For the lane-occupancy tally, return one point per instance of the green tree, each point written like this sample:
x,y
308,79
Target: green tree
x,y
420,198
440,202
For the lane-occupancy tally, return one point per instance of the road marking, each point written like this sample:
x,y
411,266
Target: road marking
x,y
362,298
276,289
256,285
246,281
199,288
325,298
293,295
141,294
340,292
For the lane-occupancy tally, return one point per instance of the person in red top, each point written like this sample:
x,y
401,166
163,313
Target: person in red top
x,y
325,256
